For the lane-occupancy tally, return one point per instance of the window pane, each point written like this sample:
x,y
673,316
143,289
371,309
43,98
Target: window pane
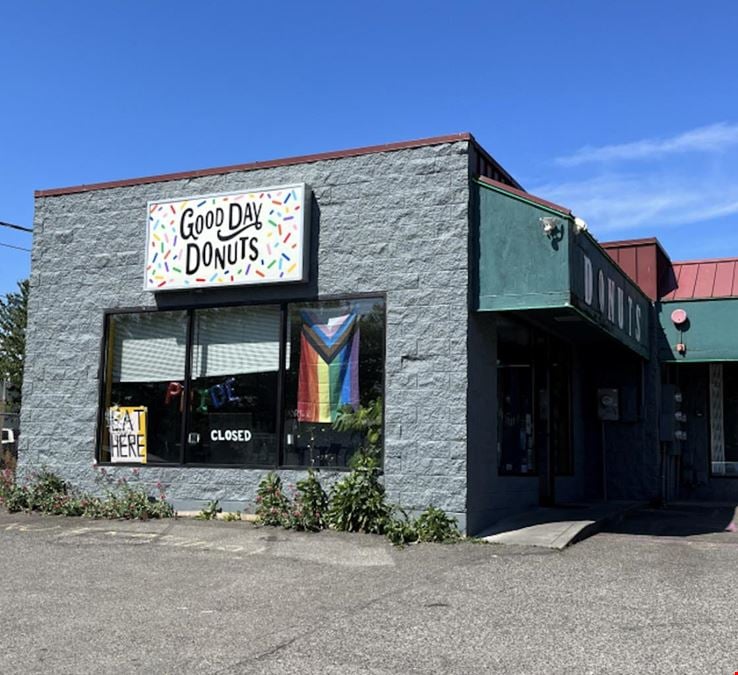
x,y
515,419
235,368
145,366
515,448
334,381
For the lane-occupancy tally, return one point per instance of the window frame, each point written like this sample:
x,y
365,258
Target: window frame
x,y
190,309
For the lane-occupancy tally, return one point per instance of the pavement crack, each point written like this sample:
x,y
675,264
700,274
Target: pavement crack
x,y
281,646
275,649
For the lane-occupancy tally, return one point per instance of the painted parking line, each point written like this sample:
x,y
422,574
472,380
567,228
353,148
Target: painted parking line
x,y
142,537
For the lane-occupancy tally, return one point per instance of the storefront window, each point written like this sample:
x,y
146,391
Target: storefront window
x,y
234,385
269,385
334,384
145,362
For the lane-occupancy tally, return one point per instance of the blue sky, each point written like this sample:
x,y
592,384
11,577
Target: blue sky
x,y
625,112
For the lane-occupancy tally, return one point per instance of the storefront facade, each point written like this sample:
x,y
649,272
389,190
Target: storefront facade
x,y
386,242
699,312
208,327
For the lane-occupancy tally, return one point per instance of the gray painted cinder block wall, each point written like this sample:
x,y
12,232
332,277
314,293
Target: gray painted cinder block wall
x,y
394,222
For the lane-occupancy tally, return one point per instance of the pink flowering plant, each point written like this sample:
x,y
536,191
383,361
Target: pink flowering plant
x,y
128,498
309,505
272,504
47,493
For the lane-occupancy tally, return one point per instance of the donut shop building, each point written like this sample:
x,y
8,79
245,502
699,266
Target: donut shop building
x,y
208,327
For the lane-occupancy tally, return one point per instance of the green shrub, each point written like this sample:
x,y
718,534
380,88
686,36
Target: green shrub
x,y
13,496
357,502
309,505
127,500
134,502
433,525
367,421
131,503
231,517
48,493
272,505
401,531
16,500
210,511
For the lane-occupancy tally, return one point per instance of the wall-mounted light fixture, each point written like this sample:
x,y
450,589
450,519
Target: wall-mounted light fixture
x,y
550,224
680,319
580,225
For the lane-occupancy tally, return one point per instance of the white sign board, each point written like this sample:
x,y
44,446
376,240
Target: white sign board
x,y
254,237
127,426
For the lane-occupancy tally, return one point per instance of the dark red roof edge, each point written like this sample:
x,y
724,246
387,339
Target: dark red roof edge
x,y
523,195
644,241
702,262
286,161
495,163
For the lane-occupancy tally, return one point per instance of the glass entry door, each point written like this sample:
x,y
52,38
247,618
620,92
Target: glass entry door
x,y
515,420
534,405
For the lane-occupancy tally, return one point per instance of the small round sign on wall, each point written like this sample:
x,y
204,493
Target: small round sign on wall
x,y
679,316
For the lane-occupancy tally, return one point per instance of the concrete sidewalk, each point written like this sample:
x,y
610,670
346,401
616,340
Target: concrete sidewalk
x,y
558,526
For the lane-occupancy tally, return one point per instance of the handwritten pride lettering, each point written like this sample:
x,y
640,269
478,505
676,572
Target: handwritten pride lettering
x,y
217,395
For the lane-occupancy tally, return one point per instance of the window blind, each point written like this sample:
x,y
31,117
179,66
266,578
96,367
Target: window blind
x,y
149,347
235,341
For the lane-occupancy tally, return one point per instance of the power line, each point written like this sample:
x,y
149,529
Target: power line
x,y
18,248
15,227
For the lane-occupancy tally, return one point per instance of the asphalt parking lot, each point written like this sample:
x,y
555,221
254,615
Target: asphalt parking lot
x,y
183,596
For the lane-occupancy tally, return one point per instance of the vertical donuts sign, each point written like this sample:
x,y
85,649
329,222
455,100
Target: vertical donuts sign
x,y
254,237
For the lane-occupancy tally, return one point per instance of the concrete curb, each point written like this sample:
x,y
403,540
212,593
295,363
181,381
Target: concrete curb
x,y
246,517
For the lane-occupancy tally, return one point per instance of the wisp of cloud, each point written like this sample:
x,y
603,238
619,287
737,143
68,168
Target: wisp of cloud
x,y
712,138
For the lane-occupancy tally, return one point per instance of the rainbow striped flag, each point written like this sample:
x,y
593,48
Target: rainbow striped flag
x,y
329,366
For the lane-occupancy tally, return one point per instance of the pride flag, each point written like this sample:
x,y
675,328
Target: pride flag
x,y
329,366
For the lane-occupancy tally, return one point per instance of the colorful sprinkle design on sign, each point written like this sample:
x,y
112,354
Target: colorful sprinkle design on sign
x,y
255,237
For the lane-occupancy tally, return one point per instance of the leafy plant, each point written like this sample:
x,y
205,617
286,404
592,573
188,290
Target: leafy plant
x,y
48,493
433,525
13,496
401,531
309,505
367,420
210,511
357,502
128,500
272,505
231,517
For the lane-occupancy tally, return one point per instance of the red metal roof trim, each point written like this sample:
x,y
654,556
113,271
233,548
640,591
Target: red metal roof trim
x,y
269,164
645,241
705,279
524,195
